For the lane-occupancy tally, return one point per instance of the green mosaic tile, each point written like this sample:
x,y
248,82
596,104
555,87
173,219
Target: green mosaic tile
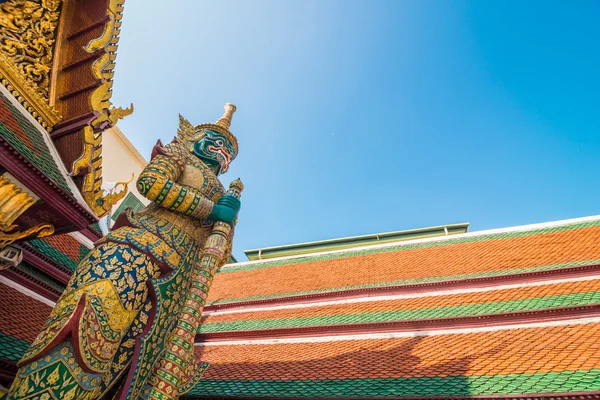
x,y
39,275
36,151
367,251
412,281
533,383
537,303
96,227
11,348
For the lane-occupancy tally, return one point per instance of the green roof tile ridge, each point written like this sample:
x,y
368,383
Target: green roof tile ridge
x,y
42,277
443,241
502,384
485,274
52,252
12,348
96,227
44,161
506,306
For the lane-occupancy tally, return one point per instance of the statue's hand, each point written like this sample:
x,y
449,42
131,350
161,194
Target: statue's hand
x,y
230,201
226,209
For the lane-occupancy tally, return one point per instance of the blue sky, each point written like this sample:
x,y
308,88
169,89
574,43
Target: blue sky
x,y
358,117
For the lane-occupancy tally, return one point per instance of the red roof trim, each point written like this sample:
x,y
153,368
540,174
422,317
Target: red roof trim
x,y
31,283
74,124
86,29
91,234
46,264
8,370
537,276
474,321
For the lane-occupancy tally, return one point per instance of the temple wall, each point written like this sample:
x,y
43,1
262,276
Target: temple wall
x,y
120,159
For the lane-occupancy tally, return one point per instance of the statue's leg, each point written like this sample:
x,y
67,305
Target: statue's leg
x,y
55,376
77,354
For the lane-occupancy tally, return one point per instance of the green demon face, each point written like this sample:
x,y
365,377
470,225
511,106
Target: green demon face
x,y
215,149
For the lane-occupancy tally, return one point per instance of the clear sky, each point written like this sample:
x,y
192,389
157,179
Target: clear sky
x,y
358,117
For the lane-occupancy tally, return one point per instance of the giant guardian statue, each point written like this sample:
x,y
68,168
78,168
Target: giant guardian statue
x,y
124,327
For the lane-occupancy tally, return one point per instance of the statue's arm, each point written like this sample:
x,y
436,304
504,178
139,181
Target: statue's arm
x,y
158,183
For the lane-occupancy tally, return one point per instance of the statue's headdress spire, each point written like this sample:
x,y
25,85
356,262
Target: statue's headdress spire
x,y
189,133
225,120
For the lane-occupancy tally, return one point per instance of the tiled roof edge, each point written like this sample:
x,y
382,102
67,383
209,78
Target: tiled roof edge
x,y
561,318
26,291
47,189
53,152
548,396
530,229
558,271
432,307
46,264
429,325
31,283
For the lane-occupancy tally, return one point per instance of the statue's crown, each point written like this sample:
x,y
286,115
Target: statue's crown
x,y
187,132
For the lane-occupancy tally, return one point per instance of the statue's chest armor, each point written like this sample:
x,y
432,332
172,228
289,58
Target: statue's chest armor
x,y
198,176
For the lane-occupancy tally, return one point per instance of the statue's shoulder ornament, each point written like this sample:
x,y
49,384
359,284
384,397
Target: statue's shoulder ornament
x,y
174,150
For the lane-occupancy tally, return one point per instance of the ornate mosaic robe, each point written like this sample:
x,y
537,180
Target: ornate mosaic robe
x,y
111,323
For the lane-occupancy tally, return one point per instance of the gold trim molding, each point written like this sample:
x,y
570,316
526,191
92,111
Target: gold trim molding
x,y
91,190
13,203
37,231
103,70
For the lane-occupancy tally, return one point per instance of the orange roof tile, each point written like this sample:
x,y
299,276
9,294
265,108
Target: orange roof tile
x,y
449,305
556,349
22,316
454,258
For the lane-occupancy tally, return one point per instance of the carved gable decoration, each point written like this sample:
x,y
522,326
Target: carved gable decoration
x,y
28,33
57,58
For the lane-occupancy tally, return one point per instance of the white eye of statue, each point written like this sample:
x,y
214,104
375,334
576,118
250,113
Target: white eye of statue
x,y
219,142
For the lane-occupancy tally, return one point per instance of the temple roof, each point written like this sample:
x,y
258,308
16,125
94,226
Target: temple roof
x,y
354,241
22,318
488,300
563,358
63,250
20,133
472,255
510,312
48,263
